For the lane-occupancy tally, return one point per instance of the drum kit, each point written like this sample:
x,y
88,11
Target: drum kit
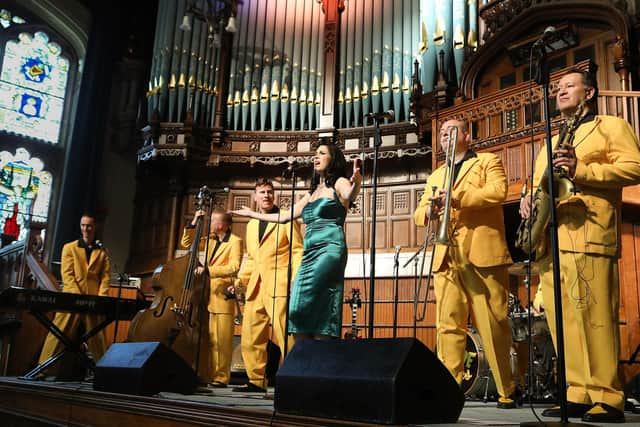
x,y
536,375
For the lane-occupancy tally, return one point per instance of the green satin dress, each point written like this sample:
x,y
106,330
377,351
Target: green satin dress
x,y
316,299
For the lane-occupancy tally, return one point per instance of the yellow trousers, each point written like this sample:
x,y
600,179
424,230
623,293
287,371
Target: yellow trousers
x,y
462,289
259,314
68,323
590,302
221,340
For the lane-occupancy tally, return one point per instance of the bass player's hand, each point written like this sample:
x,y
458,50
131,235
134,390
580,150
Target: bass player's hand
x,y
525,207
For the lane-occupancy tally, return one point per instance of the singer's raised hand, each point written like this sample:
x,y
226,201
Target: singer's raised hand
x,y
356,178
243,211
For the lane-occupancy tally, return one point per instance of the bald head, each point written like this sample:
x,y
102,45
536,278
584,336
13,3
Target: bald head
x,y
448,129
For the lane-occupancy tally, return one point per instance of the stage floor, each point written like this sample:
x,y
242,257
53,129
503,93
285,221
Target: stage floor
x,y
40,403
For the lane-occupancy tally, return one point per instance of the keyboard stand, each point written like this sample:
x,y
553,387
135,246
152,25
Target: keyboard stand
x,y
70,346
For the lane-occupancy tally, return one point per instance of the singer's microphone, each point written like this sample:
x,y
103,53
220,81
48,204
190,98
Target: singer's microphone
x,y
295,165
98,244
547,35
381,115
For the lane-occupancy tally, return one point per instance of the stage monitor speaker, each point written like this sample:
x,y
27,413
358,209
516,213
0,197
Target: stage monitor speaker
x,y
144,368
392,381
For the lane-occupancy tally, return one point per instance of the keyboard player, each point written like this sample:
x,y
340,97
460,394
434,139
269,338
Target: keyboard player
x,y
85,270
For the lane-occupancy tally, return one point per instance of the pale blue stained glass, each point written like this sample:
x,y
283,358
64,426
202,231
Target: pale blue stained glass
x,y
33,82
6,19
25,191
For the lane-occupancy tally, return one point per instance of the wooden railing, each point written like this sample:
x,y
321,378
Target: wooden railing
x,y
10,264
623,104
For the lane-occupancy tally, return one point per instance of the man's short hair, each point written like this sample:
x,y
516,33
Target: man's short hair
x,y
588,79
262,181
226,217
89,215
463,124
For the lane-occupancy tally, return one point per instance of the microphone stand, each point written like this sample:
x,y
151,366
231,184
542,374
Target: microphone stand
x,y
415,258
122,278
377,142
396,271
285,346
543,79
207,196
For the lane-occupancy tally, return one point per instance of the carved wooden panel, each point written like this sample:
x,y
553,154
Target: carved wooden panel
x,y
513,165
151,233
381,205
400,232
381,234
284,202
353,234
401,202
239,228
221,201
356,209
629,265
240,200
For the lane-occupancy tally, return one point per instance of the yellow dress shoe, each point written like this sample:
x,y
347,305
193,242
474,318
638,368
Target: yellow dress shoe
x,y
506,403
574,410
603,413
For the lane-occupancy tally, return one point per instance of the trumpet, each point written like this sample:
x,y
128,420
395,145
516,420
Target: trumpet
x,y
442,236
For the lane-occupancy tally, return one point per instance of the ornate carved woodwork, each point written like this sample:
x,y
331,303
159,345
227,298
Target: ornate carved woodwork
x,y
507,20
331,10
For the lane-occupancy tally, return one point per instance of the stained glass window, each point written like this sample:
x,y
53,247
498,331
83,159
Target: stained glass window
x,y
25,192
32,86
6,19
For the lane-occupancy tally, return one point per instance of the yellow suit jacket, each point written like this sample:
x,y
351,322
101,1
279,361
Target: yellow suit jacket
x,y
477,222
608,159
268,259
80,277
223,268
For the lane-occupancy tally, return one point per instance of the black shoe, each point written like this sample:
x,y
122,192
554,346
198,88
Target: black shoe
x,y
249,388
603,413
217,384
574,410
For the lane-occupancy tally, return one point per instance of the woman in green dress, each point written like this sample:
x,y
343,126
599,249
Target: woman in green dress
x,y
315,308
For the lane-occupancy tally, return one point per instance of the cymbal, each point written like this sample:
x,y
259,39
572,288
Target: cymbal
x,y
520,269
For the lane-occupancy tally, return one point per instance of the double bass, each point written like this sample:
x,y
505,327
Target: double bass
x,y
178,315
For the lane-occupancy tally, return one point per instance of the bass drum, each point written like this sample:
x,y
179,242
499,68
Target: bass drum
x,y
477,379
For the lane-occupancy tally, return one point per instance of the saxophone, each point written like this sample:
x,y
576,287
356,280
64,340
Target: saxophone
x,y
531,230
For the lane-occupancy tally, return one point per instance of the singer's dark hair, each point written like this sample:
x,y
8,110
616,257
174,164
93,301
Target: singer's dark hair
x,y
337,167
262,181
589,80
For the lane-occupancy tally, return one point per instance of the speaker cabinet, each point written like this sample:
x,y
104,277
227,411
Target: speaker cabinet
x,y
392,381
144,368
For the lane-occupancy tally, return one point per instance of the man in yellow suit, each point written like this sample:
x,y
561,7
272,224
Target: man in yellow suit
x,y
85,270
223,262
603,158
470,275
265,276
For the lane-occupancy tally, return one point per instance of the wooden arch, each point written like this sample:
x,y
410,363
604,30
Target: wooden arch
x,y
537,16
